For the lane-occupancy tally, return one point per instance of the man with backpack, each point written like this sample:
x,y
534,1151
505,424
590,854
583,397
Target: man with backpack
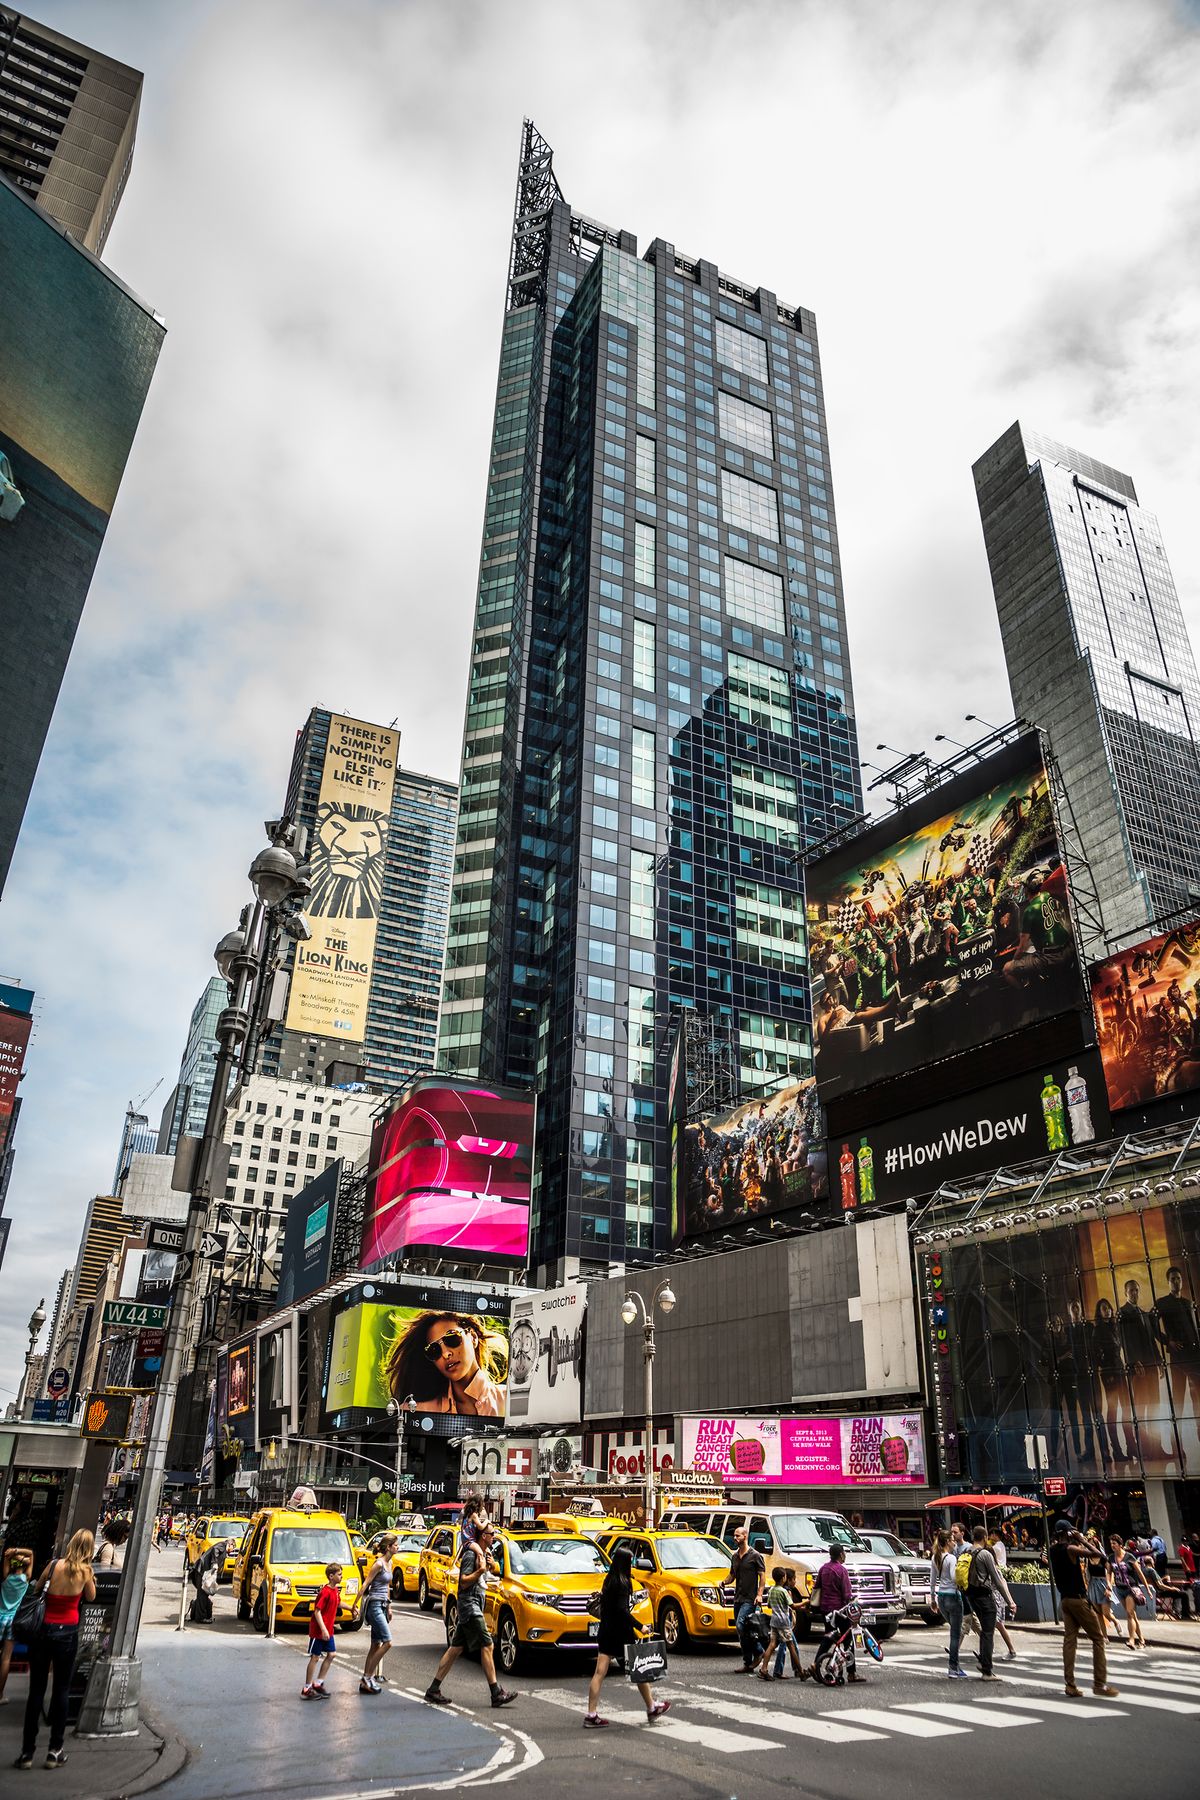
x,y
977,1577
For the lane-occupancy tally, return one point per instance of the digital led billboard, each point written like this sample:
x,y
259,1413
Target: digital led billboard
x,y
448,1349
1085,1334
941,928
884,1449
764,1156
305,1259
450,1169
16,1022
1147,1006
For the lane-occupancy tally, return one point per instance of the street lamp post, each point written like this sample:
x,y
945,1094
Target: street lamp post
x,y
110,1705
398,1409
37,1319
634,1305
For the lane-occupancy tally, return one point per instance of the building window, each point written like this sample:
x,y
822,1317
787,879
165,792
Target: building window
x,y
770,927
772,1049
744,424
753,594
643,553
643,654
641,1034
764,803
749,505
645,464
643,791
760,695
739,350
641,893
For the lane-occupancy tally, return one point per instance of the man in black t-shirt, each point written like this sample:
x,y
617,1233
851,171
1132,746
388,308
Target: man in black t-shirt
x,y
1071,1561
748,1570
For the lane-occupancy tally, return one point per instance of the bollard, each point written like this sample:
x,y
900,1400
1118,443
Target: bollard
x,y
183,1595
270,1606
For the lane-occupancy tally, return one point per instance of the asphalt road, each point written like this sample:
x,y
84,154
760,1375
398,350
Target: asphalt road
x,y
909,1732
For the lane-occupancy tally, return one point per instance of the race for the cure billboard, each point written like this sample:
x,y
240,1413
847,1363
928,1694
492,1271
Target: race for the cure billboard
x,y
858,1450
347,854
16,1021
451,1166
1147,1005
942,927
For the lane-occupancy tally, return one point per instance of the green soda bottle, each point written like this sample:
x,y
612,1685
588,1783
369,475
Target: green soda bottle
x,y
1052,1112
866,1172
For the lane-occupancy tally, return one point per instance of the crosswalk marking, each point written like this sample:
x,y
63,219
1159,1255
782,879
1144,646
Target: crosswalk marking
x,y
797,1724
1170,1684
894,1721
1070,1709
970,1715
709,1737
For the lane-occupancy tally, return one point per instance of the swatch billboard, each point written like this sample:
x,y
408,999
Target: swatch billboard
x,y
347,855
1147,1006
849,1450
445,1348
451,1166
765,1156
942,927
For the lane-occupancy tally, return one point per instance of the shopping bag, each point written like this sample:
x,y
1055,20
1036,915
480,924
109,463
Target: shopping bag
x,y
647,1660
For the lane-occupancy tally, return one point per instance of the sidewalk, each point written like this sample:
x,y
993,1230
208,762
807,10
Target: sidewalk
x,y
97,1768
1159,1634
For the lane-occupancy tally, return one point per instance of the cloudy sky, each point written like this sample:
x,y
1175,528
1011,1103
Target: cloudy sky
x,y
992,207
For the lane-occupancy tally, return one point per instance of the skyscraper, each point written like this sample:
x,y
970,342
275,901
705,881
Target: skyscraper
x,y
138,1138
400,1035
1099,657
104,1231
68,117
187,1106
660,712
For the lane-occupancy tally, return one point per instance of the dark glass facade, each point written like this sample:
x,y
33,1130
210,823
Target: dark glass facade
x,y
660,714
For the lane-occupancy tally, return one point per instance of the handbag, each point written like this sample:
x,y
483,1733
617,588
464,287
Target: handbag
x,y
30,1618
647,1660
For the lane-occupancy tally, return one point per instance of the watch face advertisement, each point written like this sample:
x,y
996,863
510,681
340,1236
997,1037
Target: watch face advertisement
x,y
941,928
861,1449
1035,1116
546,1356
764,1156
1147,1006
446,1350
1083,1334
450,1170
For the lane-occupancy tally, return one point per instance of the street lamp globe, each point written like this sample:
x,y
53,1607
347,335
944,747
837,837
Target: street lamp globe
x,y
227,952
666,1299
629,1312
37,1319
273,874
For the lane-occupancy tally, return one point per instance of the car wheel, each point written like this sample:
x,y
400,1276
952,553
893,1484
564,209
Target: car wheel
x,y
672,1626
243,1611
355,1621
424,1600
885,1629
508,1644
451,1618
932,1618
804,1626
260,1609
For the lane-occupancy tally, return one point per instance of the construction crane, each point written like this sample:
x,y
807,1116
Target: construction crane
x,y
135,1106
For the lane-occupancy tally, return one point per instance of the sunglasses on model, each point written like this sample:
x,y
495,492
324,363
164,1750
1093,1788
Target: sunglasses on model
x,y
450,1340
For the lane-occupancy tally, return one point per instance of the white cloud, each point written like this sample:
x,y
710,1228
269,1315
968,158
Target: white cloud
x,y
992,210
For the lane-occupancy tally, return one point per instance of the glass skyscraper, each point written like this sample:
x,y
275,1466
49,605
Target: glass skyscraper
x,y
660,713
187,1108
1099,657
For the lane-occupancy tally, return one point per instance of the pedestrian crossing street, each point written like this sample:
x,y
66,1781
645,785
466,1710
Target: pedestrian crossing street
x,y
733,1716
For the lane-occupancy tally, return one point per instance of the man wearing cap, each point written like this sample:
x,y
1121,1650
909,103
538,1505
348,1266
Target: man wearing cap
x,y
471,1632
1070,1554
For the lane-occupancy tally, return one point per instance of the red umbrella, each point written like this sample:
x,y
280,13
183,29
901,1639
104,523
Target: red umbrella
x,y
982,1502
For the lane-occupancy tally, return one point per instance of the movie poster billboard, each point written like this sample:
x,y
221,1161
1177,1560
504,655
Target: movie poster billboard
x,y
451,1167
446,1348
943,927
855,1450
1147,1006
307,1252
240,1376
347,854
16,1022
1040,1114
546,1356
1084,1334
765,1156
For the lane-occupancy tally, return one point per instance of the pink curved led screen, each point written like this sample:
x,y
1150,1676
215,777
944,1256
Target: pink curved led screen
x,y
451,1170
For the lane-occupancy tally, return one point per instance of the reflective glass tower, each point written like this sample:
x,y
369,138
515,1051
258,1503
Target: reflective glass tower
x,y
660,713
1099,657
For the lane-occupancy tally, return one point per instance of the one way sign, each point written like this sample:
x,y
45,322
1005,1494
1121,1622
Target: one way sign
x,y
213,1244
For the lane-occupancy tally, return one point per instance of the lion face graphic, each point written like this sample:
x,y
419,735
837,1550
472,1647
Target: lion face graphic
x,y
349,845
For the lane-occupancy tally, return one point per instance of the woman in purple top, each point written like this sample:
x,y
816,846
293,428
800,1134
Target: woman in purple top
x,y
831,1593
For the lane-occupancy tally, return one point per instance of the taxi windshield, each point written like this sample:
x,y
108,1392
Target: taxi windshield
x,y
556,1556
222,1528
310,1544
803,1531
692,1553
411,1540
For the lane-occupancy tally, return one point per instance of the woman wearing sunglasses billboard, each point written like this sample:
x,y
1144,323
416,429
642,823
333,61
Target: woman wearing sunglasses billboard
x,y
449,1362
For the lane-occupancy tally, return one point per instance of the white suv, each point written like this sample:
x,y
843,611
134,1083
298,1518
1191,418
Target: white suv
x,y
797,1538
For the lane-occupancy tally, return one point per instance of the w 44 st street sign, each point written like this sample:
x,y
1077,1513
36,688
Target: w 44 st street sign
x,y
133,1312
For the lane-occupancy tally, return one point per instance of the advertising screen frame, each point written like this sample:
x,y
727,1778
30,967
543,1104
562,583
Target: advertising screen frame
x,y
545,1376
307,1253
837,1450
359,1380
716,1192
943,927
1146,1001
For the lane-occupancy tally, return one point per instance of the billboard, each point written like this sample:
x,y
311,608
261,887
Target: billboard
x,y
863,1449
77,354
1084,1334
1147,1006
347,854
308,1236
447,1349
16,1022
450,1169
239,1390
1018,1121
761,1157
277,1378
546,1356
942,927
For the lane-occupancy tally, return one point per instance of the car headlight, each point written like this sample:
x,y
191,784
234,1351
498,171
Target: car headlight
x,y
282,1585
350,1587
711,1596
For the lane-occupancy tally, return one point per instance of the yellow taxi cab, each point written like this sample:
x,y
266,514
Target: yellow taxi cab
x,y
544,1589
582,1524
362,1553
292,1546
227,1528
438,1555
406,1562
687,1576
